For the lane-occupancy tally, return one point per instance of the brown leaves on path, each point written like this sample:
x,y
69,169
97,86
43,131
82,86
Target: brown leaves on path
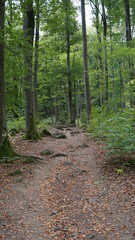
x,y
72,195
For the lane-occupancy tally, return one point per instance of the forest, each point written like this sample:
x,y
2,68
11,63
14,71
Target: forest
x,y
50,71
67,119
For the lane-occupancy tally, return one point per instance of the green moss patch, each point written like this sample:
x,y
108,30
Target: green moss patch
x,y
6,149
47,152
14,173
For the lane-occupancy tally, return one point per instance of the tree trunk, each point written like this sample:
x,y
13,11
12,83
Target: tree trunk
x,y
99,52
56,105
121,86
129,39
31,131
36,60
105,51
5,147
67,8
85,63
128,22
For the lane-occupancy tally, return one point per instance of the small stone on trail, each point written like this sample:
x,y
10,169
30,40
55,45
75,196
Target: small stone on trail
x,y
91,236
59,136
3,222
58,155
82,171
68,163
54,213
47,152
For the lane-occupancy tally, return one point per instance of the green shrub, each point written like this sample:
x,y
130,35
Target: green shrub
x,y
17,124
117,130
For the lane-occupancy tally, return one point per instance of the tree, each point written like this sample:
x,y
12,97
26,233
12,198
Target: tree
x,y
36,60
67,25
31,131
5,147
85,62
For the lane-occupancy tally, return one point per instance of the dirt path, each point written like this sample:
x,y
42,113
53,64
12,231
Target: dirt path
x,y
66,197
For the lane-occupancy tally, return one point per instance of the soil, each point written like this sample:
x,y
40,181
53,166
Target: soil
x,y
73,194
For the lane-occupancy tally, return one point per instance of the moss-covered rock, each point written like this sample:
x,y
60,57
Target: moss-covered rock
x,y
6,149
45,132
47,152
59,136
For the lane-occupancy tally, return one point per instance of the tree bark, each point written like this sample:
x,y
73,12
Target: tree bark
x,y
31,131
2,90
36,60
85,62
5,146
128,22
67,8
99,52
129,39
105,51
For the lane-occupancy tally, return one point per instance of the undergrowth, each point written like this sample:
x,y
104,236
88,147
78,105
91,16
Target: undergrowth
x,y
116,129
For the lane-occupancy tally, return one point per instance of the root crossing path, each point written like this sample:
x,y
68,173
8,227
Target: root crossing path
x,y
69,194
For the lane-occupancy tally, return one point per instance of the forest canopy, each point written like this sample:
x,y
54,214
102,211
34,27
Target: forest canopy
x,y
45,76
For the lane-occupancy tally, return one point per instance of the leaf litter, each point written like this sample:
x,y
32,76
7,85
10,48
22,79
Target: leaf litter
x,y
76,195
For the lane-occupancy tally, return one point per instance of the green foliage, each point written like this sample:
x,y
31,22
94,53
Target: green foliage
x,y
28,160
117,129
83,119
14,173
18,124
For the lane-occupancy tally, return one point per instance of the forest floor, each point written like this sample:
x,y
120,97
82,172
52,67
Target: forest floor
x,y
75,196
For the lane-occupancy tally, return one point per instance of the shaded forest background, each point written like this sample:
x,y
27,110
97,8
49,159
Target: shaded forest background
x,y
43,69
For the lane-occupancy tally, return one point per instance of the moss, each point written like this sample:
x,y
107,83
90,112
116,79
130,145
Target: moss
x,y
47,152
14,173
6,149
32,132
59,136
45,132
28,160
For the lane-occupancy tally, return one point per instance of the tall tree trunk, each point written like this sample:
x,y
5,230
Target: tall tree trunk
x,y
36,60
5,147
105,50
2,90
56,105
128,22
99,53
129,39
67,8
121,86
85,63
31,131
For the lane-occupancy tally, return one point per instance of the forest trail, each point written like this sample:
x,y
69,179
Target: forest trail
x,y
74,196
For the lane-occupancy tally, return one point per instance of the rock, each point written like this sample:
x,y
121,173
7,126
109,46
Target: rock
x,y
45,132
57,229
91,236
3,222
13,132
75,132
85,145
47,152
82,171
59,127
59,136
68,163
58,155
19,180
54,212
